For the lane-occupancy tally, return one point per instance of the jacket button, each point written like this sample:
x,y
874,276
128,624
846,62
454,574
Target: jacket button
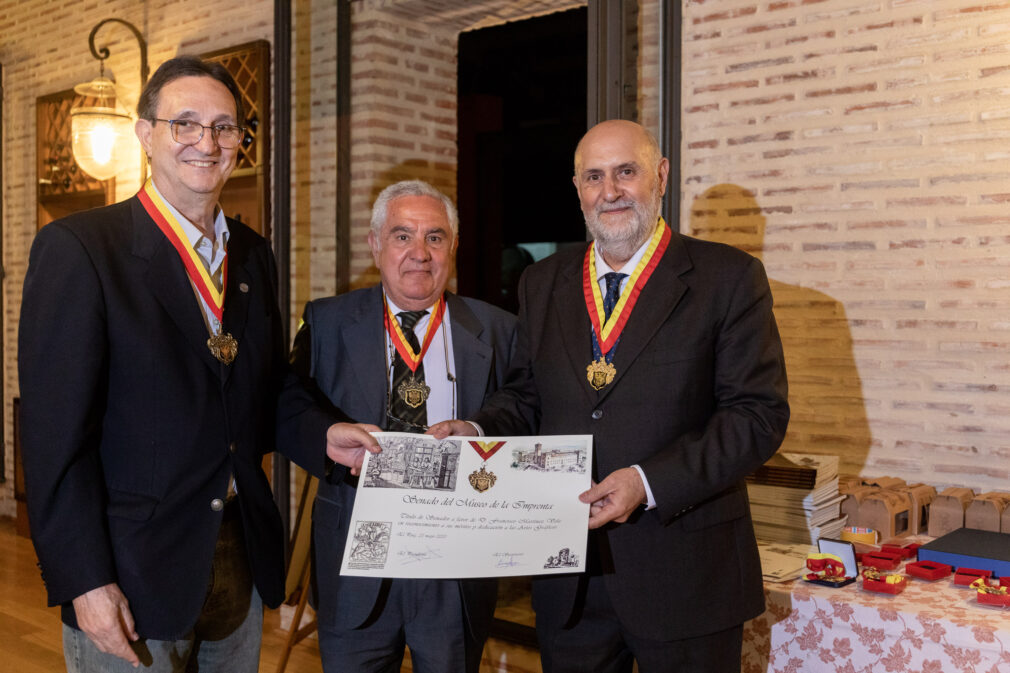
x,y
233,447
597,414
217,504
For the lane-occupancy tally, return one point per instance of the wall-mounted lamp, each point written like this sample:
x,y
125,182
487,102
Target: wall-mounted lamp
x,y
101,134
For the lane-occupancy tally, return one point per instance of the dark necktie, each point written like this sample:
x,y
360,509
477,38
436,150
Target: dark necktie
x,y
402,416
613,292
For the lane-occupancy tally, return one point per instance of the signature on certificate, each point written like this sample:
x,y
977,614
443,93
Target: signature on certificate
x,y
506,559
411,556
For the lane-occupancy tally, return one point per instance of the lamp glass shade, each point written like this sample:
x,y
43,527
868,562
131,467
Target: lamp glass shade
x,y
101,137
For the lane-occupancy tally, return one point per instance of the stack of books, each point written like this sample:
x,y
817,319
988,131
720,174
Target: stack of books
x,y
794,498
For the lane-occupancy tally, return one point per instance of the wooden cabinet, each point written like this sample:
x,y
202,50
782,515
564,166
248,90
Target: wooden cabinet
x,y
63,188
246,195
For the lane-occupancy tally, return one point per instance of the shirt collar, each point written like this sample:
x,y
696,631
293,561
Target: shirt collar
x,y
602,268
396,310
193,233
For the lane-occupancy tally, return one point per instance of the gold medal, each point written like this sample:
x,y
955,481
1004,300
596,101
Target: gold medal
x,y
482,480
224,347
600,373
413,392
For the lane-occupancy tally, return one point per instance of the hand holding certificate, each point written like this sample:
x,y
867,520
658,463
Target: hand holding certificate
x,y
470,507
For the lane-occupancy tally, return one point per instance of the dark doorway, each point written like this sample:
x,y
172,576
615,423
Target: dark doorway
x,y
522,110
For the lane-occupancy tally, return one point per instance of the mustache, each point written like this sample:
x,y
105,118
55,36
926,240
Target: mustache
x,y
620,204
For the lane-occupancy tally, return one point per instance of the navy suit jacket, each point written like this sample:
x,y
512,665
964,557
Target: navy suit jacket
x,y
130,428
699,401
340,356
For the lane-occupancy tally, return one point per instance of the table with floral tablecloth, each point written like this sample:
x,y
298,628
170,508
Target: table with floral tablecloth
x,y
931,627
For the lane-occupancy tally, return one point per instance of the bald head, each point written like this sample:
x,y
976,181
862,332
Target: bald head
x,y
620,131
620,175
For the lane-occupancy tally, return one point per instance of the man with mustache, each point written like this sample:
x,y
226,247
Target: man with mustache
x,y
664,348
400,355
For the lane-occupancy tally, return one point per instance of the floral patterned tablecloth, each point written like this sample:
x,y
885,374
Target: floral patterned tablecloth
x,y
931,627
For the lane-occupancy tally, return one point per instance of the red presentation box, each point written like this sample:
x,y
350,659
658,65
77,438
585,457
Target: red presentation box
x,y
965,576
928,570
880,585
905,551
881,560
999,600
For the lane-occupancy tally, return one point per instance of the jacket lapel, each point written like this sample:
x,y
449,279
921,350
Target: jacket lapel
x,y
658,299
573,319
472,357
166,278
363,333
236,300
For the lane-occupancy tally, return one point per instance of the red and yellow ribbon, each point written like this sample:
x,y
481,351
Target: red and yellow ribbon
x,y
169,225
412,359
608,332
486,449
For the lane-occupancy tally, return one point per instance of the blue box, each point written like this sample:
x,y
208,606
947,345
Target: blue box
x,y
970,548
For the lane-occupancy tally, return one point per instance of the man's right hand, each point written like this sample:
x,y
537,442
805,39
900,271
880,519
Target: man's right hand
x,y
455,427
346,444
103,614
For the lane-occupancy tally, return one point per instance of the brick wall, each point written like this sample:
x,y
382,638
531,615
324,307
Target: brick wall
x,y
861,148
403,92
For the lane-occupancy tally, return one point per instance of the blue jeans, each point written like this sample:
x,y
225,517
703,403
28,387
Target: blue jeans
x,y
225,639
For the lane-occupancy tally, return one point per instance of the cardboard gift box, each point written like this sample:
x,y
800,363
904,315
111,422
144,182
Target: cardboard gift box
x,y
921,496
985,511
853,498
946,512
887,512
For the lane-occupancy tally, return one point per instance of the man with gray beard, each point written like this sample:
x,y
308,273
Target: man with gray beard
x,y
665,349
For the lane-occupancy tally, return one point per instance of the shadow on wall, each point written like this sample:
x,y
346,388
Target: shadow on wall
x,y
825,391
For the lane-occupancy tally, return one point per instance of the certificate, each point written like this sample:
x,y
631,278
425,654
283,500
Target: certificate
x,y
470,507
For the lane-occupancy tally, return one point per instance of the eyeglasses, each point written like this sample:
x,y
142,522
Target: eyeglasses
x,y
189,132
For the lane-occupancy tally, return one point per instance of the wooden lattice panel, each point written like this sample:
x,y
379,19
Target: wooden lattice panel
x,y
249,64
57,171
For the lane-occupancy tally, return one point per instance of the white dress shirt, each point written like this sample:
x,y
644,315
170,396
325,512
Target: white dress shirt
x,y
602,269
211,253
439,366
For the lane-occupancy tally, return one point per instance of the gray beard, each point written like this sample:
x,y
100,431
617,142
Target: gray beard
x,y
621,243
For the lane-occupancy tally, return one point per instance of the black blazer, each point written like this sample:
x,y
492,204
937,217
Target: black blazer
x,y
131,428
699,401
340,354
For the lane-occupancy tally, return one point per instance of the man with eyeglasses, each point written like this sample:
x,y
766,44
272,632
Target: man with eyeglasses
x,y
400,355
150,361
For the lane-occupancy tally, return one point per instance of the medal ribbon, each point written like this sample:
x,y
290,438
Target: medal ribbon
x,y
396,334
606,334
169,225
486,449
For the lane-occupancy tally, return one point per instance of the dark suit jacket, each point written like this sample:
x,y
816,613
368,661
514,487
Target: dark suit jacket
x,y
130,427
341,349
698,402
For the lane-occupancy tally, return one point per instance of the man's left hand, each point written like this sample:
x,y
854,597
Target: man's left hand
x,y
614,498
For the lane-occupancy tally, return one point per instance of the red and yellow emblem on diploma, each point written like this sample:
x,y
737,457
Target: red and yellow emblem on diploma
x,y
481,479
413,392
601,372
222,345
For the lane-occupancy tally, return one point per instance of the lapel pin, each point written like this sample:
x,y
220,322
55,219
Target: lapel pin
x,y
243,287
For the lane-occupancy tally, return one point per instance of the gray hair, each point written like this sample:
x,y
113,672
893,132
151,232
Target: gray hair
x,y
380,208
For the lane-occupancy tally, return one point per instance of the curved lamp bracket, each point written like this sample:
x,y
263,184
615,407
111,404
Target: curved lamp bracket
x,y
103,53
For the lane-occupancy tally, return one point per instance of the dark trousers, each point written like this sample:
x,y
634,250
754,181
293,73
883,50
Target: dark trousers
x,y
598,642
425,615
